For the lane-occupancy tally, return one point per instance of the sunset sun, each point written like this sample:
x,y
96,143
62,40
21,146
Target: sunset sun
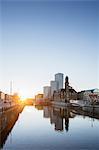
x,y
23,97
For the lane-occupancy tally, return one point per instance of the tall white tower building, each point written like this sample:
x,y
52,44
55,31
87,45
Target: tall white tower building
x,y
54,86
59,80
47,92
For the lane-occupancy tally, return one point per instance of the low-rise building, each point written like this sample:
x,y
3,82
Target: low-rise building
x,y
39,99
2,96
7,98
90,96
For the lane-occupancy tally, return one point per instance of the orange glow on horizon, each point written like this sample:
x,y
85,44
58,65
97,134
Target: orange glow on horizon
x,y
23,97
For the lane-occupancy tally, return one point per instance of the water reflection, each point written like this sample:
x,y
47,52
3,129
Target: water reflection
x,y
7,122
50,128
58,116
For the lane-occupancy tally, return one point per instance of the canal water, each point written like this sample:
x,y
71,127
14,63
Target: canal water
x,y
53,128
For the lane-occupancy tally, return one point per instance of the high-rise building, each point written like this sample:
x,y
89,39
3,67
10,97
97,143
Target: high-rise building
x,y
59,80
54,86
47,92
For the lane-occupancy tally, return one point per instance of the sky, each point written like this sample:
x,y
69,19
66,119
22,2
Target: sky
x,y
41,38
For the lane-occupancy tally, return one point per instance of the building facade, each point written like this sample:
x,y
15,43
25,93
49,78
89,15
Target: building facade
x,y
2,96
59,80
65,95
54,87
89,96
47,92
39,99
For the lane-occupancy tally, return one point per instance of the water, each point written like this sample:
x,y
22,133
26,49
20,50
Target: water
x,y
52,128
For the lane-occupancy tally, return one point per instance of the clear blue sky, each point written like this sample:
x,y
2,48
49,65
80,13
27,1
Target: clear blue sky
x,y
39,39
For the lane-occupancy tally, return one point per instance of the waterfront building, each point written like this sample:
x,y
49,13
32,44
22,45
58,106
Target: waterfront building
x,y
39,99
59,96
2,96
59,80
54,87
65,95
7,98
47,92
89,96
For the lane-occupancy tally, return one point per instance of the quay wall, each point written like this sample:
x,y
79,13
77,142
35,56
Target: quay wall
x,y
7,120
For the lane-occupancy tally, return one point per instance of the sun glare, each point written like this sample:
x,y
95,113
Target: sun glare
x,y
23,97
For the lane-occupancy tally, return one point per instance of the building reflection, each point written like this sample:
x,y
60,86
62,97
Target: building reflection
x,y
59,116
7,122
39,107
